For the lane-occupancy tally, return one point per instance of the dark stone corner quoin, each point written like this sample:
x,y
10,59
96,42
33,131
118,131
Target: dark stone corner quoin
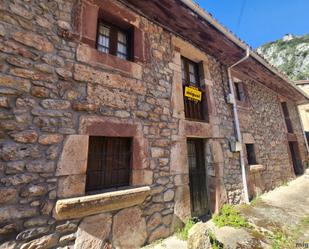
x,y
101,143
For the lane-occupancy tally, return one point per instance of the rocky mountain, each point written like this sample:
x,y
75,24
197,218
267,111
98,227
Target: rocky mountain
x,y
290,54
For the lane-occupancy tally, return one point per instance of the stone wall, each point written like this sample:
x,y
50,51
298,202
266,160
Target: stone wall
x,y
50,84
47,87
230,171
262,123
57,90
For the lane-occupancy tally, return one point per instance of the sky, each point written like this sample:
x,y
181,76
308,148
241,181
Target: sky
x,y
260,21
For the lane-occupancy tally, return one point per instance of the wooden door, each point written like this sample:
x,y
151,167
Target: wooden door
x,y
197,175
296,160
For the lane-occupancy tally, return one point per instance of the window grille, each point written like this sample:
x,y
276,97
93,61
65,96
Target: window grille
x,y
109,160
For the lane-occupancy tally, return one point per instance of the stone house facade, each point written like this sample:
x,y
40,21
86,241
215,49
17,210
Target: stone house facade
x,y
99,146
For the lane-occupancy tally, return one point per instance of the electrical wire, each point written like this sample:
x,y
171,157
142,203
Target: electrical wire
x,y
243,6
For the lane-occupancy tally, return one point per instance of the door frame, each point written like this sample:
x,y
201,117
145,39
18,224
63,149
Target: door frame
x,y
201,142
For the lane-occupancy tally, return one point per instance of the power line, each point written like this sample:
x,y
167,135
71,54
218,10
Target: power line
x,y
244,2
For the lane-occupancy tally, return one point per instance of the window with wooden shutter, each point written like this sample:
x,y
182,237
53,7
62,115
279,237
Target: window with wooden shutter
x,y
287,118
109,163
194,110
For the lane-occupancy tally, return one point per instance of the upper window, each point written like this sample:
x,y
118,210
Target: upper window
x,y
250,154
287,117
109,160
194,109
189,72
113,40
239,91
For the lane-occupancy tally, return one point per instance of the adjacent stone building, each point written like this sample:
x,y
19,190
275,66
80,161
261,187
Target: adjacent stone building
x,y
121,119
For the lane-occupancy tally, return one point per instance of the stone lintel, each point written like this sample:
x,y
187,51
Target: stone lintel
x,y
197,129
189,51
257,168
93,204
248,138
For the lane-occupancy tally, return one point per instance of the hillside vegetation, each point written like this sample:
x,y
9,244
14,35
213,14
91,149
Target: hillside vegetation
x,y
290,55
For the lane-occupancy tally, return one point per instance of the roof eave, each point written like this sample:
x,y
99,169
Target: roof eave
x,y
195,8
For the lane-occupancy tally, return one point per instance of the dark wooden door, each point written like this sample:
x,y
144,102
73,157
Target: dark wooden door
x,y
297,164
197,175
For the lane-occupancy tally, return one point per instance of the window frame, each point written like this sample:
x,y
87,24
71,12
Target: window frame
x,y
187,81
113,39
202,116
109,164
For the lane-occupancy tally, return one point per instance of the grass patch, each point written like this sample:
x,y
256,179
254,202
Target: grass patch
x,y
213,240
255,201
305,221
279,240
229,216
287,239
285,184
184,232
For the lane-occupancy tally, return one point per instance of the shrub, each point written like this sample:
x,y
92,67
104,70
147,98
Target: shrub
x,y
229,216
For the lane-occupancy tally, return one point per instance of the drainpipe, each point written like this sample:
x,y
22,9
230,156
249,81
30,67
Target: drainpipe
x,y
239,137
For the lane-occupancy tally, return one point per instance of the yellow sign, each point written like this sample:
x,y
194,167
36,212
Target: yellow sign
x,y
193,93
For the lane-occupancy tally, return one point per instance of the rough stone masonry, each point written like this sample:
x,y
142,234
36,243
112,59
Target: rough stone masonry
x,y
57,90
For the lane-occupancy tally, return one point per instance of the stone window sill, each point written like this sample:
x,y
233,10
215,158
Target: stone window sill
x,y
243,105
94,57
257,168
93,204
197,121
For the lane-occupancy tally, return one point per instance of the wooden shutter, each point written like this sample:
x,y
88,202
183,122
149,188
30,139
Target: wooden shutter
x,y
138,45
